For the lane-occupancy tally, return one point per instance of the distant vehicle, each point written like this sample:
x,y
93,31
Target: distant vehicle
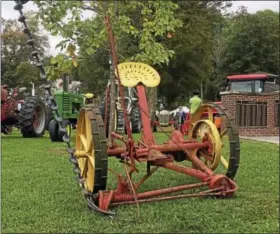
x,y
252,83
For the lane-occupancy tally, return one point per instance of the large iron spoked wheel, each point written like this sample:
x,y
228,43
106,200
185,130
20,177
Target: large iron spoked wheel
x,y
230,152
91,150
32,117
205,129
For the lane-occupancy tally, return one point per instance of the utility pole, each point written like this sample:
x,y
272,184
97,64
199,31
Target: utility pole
x,y
201,90
33,89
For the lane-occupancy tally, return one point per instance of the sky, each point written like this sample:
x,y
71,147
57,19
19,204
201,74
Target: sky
x,y
7,11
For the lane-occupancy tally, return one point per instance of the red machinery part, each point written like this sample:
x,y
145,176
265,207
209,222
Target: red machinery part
x,y
162,156
94,159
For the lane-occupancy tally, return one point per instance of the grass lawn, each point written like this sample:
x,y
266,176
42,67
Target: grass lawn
x,y
39,194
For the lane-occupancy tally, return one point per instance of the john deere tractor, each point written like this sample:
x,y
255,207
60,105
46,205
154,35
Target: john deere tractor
x,y
69,104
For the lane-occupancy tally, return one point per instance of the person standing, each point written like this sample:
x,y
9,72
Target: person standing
x,y
195,102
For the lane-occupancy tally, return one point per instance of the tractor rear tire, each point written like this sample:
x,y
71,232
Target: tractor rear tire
x,y
53,130
32,117
135,120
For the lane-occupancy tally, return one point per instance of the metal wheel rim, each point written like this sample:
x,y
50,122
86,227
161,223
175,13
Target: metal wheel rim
x,y
85,150
232,144
39,117
203,127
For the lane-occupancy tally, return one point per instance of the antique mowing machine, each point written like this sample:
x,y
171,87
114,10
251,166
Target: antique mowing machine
x,y
203,148
91,154
92,151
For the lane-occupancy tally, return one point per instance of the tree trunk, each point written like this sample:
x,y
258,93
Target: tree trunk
x,y
152,100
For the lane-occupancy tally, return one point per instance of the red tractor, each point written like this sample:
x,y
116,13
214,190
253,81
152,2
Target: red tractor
x,y
252,83
28,115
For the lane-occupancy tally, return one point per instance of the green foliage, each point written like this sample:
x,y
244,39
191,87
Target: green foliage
x,y
60,65
143,21
253,42
193,45
27,73
15,53
93,71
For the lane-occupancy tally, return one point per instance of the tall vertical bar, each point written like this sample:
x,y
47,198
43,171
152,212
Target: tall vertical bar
x,y
145,116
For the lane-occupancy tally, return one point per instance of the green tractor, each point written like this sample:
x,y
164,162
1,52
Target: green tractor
x,y
69,104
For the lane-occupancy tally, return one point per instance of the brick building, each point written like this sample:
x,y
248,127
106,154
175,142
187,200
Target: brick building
x,y
255,114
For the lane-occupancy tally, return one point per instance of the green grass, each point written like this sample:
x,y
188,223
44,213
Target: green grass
x,y
39,194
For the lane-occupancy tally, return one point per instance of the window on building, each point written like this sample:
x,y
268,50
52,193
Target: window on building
x,y
251,114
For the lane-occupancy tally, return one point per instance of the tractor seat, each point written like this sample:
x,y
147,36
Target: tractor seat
x,y
132,73
89,95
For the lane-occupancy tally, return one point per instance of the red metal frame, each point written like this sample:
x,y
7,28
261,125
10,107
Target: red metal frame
x,y
156,156
185,126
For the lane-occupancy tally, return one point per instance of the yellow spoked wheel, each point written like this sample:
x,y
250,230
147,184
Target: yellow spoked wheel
x,y
91,151
230,152
205,129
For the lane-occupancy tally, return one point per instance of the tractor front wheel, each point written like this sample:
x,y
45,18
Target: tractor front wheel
x,y
55,133
67,125
53,130
32,117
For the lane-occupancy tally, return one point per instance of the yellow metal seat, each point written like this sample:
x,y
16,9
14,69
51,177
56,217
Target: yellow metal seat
x,y
89,95
133,73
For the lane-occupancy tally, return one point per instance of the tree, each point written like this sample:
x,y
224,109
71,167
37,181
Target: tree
x,y
252,42
139,27
142,21
15,52
193,44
